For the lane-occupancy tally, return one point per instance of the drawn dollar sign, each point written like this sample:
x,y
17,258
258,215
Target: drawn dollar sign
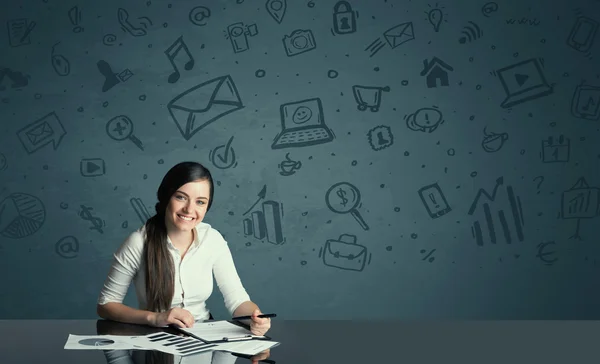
x,y
96,221
342,195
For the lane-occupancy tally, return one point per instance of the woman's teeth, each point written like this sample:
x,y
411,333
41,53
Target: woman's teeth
x,y
185,218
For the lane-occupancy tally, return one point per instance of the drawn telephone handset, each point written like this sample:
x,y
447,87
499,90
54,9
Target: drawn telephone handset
x,y
123,17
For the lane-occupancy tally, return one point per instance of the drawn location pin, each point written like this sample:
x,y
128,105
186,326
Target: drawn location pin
x,y
435,18
276,9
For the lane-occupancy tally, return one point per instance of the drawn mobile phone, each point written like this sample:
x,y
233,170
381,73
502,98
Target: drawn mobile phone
x,y
582,34
123,17
434,200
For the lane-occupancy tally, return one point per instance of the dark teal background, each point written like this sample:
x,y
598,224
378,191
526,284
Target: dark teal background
x,y
521,280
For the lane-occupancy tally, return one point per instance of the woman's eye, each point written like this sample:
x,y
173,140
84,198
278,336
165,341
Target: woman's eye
x,y
200,202
179,197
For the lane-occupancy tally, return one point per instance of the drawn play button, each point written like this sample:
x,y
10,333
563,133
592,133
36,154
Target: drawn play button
x,y
521,79
92,167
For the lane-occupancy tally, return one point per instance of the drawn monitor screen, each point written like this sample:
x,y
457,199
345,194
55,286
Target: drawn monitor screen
x,y
583,32
303,114
522,77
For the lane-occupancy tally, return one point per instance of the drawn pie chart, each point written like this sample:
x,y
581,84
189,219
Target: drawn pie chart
x,y
96,341
21,215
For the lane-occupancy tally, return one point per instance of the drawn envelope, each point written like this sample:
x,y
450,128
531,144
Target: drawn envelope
x,y
202,104
39,133
399,34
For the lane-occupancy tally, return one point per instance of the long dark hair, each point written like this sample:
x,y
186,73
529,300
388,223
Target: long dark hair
x,y
160,274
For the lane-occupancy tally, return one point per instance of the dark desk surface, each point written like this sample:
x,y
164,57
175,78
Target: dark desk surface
x,y
344,342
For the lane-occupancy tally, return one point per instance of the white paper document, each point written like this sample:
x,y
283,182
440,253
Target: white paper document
x,y
161,341
216,330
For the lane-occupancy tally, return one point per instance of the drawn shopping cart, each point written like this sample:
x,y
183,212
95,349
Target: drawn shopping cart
x,y
368,96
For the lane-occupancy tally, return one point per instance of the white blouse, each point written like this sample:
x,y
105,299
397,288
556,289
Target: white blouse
x,y
209,254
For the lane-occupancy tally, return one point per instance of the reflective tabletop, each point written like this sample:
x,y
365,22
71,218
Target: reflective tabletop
x,y
308,342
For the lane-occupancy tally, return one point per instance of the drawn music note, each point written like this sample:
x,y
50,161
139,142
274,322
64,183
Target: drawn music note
x,y
587,106
172,52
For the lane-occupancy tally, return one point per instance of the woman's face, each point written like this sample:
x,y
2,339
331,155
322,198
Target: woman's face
x,y
187,206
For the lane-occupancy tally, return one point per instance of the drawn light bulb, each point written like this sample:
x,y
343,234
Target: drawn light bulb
x,y
435,18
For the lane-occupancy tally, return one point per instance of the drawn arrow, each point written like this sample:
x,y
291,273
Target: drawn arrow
x,y
261,195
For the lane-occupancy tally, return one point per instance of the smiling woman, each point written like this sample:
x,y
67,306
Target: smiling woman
x,y
173,258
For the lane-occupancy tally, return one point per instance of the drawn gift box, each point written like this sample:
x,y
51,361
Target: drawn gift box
x,y
345,253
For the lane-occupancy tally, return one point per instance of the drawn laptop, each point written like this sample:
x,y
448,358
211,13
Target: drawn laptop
x,y
302,124
522,82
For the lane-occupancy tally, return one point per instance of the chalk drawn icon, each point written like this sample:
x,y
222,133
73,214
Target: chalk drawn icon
x,y
434,200
276,8
523,81
198,15
203,104
580,202
61,65
394,37
172,52
288,167
300,41
542,254
435,16
92,167
136,31
582,34
426,120
265,222
344,253
109,39
494,217
238,34
493,142
21,215
380,137
67,247
120,128
344,18
585,103
436,72
302,124
97,223
140,209
19,31
556,150
489,8
428,255
75,19
470,33
17,79
343,198
110,78
3,162
368,97
41,132
223,156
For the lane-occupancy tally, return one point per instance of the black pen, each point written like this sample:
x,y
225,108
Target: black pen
x,y
250,317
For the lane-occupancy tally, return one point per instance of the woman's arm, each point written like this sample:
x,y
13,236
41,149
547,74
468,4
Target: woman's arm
x,y
119,312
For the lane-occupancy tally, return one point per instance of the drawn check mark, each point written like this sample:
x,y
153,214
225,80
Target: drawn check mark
x,y
225,157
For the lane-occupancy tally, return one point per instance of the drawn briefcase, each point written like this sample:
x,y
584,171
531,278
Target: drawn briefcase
x,y
344,253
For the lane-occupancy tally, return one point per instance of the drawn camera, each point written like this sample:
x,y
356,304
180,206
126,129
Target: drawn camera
x,y
298,42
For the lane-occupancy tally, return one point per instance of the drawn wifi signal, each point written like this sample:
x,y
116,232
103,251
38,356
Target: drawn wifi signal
x,y
471,33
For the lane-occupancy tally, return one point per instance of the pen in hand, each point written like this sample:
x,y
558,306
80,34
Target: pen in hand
x,y
250,317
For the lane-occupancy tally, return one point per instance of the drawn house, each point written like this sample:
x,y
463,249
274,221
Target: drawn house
x,y
498,216
436,69
17,78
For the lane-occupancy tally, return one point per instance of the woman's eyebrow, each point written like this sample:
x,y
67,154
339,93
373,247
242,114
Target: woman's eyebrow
x,y
183,193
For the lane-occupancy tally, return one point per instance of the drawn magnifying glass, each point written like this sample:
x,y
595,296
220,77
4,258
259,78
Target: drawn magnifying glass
x,y
343,198
121,128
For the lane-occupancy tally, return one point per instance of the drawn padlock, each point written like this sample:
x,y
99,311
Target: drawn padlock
x,y
344,18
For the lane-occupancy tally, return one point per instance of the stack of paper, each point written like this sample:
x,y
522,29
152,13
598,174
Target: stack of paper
x,y
205,336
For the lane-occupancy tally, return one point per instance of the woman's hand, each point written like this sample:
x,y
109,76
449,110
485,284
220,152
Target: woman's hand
x,y
258,325
175,316
261,356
